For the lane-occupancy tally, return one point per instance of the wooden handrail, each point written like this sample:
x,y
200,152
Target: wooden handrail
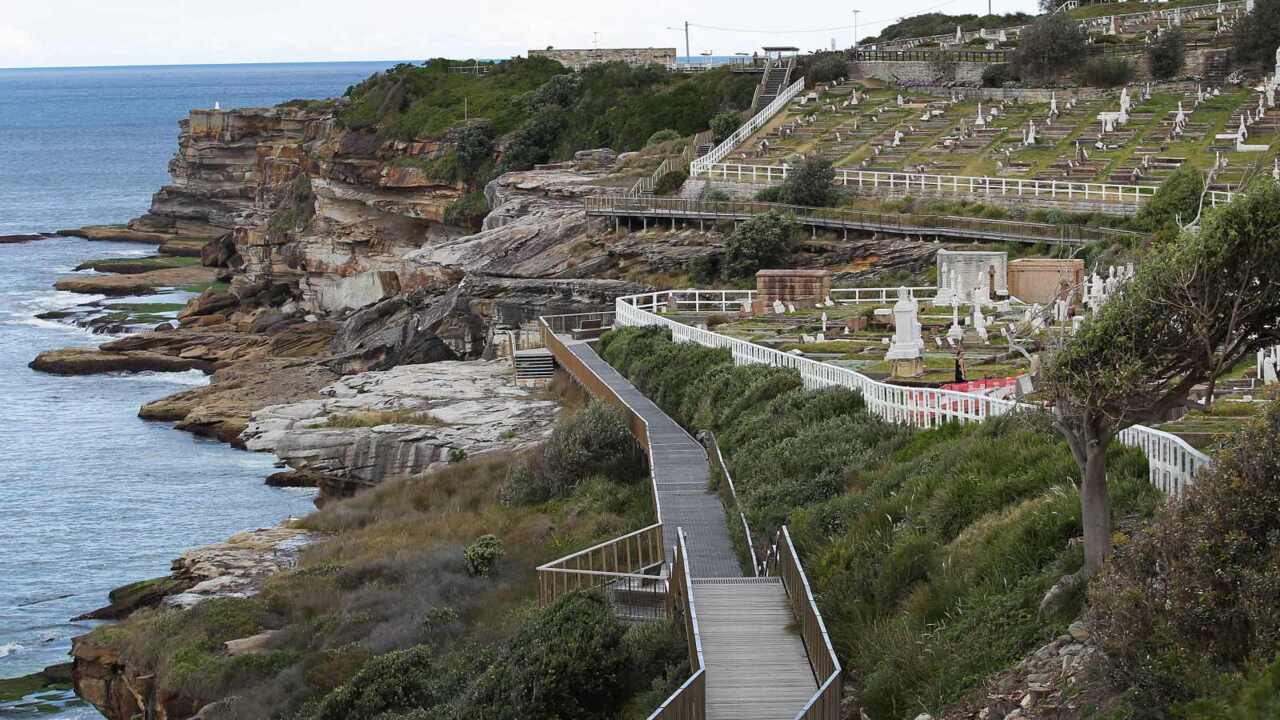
x,y
783,562
689,701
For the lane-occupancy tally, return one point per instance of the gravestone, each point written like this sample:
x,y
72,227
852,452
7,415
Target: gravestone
x,y
905,356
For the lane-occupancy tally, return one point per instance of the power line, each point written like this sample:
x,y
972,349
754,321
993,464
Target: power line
x,y
774,31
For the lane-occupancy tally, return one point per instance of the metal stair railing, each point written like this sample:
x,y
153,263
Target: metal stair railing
x,y
741,134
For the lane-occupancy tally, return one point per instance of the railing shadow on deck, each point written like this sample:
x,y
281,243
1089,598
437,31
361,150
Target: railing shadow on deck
x,y
783,562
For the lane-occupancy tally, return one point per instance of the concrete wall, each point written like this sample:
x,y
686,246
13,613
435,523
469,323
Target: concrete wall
x,y
576,59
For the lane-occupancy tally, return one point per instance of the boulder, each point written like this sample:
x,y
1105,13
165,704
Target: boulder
x,y
207,303
88,361
358,291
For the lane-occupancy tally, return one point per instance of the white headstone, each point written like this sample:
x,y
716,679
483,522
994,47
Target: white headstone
x,y
778,307
907,341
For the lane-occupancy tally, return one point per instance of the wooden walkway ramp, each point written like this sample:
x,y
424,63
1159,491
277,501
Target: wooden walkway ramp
x,y
756,664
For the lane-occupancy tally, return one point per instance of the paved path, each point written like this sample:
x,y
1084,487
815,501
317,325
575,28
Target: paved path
x,y
756,663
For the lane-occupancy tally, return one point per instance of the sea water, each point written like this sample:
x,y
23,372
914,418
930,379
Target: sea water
x,y
91,496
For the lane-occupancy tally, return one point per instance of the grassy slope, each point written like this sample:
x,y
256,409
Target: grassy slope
x,y
929,551
389,575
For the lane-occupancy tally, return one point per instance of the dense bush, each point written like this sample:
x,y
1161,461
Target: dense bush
x,y
724,125
662,136
1254,35
1175,203
1195,596
595,441
670,182
762,242
997,74
812,184
1107,72
1167,54
769,194
473,148
467,211
1049,47
542,111
826,67
481,555
1253,697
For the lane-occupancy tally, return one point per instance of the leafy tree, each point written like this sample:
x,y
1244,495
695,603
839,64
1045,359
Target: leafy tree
x,y
1049,47
811,184
481,555
473,143
1107,72
1254,35
1195,308
827,66
1196,594
724,125
1167,54
997,74
763,241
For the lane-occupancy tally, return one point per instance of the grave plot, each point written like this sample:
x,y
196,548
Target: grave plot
x,y
1066,140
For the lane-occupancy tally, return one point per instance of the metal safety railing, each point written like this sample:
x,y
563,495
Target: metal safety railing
x,y
741,134
901,223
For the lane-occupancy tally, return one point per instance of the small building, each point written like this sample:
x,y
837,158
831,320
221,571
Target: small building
x,y
1039,280
802,288
577,59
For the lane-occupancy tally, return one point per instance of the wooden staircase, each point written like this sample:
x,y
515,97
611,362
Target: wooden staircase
x,y
533,366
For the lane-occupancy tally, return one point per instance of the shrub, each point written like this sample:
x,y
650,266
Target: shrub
x,y
670,182
467,211
473,148
1167,54
770,194
763,241
703,269
594,441
662,136
1107,72
396,682
724,125
811,184
1255,697
1176,202
997,74
1049,47
1197,592
711,194
481,555
827,66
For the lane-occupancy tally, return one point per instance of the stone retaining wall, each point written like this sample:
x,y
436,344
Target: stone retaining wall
x,y
917,71
576,59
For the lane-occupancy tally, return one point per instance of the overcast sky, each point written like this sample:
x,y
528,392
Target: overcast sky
x,y
50,33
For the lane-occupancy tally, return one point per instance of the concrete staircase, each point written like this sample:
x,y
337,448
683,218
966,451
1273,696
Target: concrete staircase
x,y
775,79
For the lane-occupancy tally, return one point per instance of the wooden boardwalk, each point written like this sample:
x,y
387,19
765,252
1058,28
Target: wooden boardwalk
x,y
756,664
681,473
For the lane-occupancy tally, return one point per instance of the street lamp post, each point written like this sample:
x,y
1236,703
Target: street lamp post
x,y
855,29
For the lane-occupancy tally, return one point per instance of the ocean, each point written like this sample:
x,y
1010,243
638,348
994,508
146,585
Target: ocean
x,y
92,496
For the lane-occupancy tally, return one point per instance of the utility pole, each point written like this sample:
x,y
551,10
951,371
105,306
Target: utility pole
x,y
595,40
855,28
688,55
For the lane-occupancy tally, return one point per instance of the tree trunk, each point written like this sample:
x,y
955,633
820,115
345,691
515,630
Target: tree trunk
x,y
1095,507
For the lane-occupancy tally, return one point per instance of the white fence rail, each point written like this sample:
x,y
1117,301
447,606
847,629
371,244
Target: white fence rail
x,y
741,134
1172,462
951,184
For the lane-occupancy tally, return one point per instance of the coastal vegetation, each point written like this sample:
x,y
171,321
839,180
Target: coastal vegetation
x,y
418,599
544,111
930,552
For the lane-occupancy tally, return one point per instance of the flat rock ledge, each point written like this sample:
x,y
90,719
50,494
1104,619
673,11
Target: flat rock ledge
x,y
435,413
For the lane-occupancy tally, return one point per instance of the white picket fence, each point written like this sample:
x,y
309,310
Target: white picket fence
x,y
871,180
1172,462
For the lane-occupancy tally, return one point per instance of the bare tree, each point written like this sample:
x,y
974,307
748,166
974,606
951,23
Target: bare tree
x,y
1197,305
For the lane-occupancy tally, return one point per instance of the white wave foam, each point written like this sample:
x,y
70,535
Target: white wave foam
x,y
187,377
8,649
